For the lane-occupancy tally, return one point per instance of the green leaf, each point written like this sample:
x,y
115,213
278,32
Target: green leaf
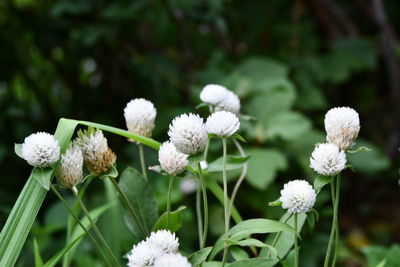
x,y
359,149
175,220
232,163
56,258
199,256
38,258
43,176
320,181
252,242
18,150
140,196
288,125
263,167
252,263
238,253
369,162
275,203
23,214
112,173
239,137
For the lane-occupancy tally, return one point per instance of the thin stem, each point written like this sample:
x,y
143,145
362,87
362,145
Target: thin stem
x,y
206,150
278,234
336,219
205,204
332,235
127,203
92,239
142,161
226,206
296,245
96,230
199,216
170,183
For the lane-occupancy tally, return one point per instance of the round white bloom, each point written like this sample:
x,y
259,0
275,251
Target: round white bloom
x,y
175,260
93,145
70,171
188,186
171,160
213,94
139,115
188,133
222,124
297,196
165,240
40,149
144,254
231,103
342,126
328,159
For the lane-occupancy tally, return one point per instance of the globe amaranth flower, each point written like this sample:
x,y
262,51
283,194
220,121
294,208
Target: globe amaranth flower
x,y
342,126
188,133
70,170
231,103
165,240
40,150
213,94
144,254
297,196
171,160
222,124
327,159
175,260
97,155
140,115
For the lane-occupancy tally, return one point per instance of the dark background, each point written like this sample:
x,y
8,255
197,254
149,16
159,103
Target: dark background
x,y
87,59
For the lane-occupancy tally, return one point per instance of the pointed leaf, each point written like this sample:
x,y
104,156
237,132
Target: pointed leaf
x,y
175,220
252,262
320,181
56,258
18,150
200,256
43,176
38,258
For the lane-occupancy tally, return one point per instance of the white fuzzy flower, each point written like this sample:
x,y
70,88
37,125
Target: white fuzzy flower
x,y
165,240
327,159
213,94
188,186
222,124
342,126
143,255
70,171
139,115
171,160
231,103
188,133
172,260
40,150
297,196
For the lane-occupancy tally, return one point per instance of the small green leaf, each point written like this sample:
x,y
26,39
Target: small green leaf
x,y
43,176
112,173
211,135
359,149
320,181
201,105
239,137
38,258
199,256
247,117
18,150
232,163
175,220
238,253
252,262
351,167
158,169
311,221
275,203
252,242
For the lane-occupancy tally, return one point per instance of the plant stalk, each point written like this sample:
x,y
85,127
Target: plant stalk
x,y
336,219
333,228
170,184
205,204
296,244
142,161
199,216
226,205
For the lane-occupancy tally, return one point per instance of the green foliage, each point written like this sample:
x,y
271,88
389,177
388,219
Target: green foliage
x,y
175,220
382,256
200,256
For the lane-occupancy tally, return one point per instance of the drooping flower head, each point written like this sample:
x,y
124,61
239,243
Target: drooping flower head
x,y
342,126
140,115
221,98
40,150
222,124
175,260
297,196
70,171
144,254
165,240
171,160
188,133
97,155
327,159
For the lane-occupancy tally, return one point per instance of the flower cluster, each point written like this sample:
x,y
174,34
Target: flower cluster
x,y
139,115
40,150
160,249
220,98
70,171
298,196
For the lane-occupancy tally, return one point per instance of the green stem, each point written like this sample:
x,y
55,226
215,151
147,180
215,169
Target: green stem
x,y
226,205
205,204
332,234
142,161
171,182
336,220
92,239
199,216
96,230
296,245
206,150
278,234
128,205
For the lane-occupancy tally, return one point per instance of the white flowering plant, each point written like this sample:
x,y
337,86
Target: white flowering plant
x,y
154,239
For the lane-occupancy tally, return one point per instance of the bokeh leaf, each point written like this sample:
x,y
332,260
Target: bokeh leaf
x,y
175,220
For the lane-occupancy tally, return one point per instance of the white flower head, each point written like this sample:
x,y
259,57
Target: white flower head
x,y
140,115
171,160
175,260
188,133
222,124
327,159
188,186
70,171
297,196
165,240
231,103
144,254
40,149
213,94
342,126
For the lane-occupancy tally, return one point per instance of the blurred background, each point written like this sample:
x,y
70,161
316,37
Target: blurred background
x,y
289,61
